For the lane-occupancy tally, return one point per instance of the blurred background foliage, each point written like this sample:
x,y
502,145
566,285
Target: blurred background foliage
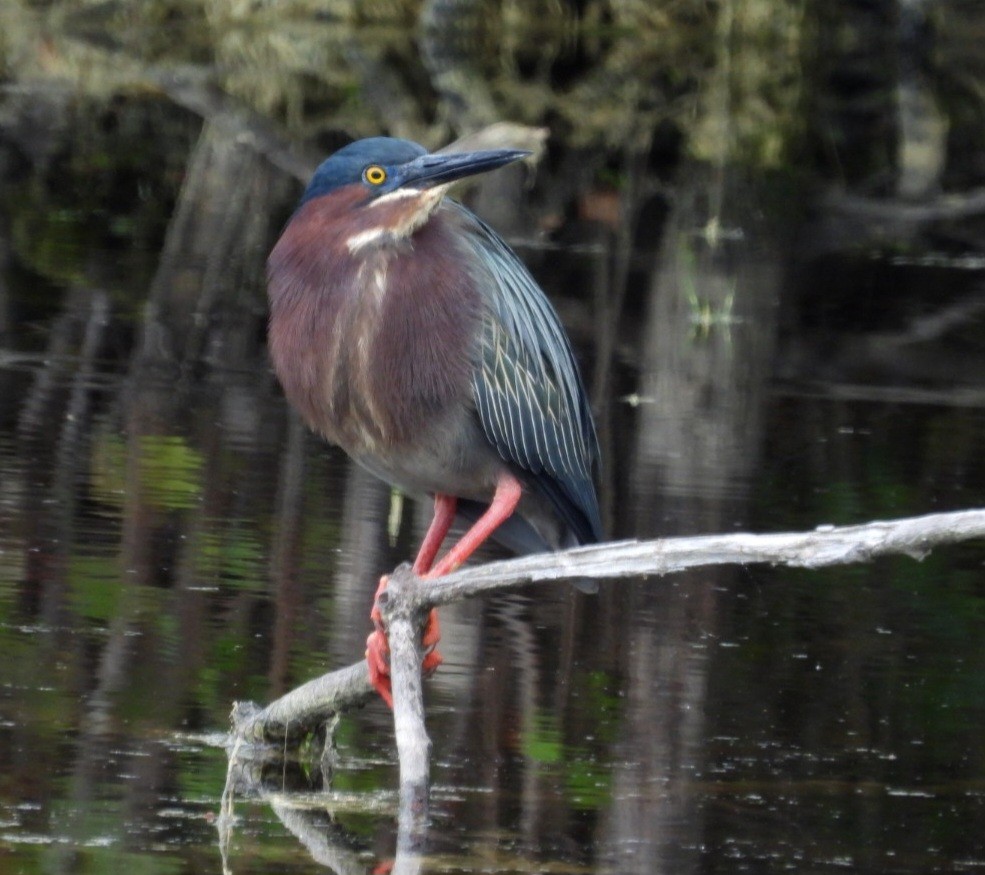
x,y
595,72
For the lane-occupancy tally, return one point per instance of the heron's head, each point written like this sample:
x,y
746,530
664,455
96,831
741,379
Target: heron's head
x,y
385,188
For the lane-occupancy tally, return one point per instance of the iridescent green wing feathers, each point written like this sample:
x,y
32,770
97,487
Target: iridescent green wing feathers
x,y
527,389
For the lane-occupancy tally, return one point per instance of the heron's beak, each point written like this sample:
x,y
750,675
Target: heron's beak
x,y
442,169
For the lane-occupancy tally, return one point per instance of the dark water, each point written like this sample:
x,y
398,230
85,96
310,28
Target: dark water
x,y
172,541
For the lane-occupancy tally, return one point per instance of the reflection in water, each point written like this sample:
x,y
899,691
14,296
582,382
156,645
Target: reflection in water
x,y
654,823
361,558
707,344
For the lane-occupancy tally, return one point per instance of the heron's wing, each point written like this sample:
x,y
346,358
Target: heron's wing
x,y
527,389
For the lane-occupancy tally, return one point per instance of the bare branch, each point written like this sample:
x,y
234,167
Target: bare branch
x,y
296,714
406,601
949,207
404,623
290,718
825,545
407,598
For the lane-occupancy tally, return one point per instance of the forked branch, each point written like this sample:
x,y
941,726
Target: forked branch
x,y
310,705
405,601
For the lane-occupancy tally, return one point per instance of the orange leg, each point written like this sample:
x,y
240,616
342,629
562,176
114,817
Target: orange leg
x,y
505,500
444,516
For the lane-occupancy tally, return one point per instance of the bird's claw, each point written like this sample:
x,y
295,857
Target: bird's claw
x,y
378,648
430,638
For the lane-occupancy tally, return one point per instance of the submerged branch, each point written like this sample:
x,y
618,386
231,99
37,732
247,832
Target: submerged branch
x,y
295,715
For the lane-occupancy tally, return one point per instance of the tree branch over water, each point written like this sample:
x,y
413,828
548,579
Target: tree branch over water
x,y
404,603
823,546
407,598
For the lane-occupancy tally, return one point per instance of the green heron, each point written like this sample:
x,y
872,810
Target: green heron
x,y
406,331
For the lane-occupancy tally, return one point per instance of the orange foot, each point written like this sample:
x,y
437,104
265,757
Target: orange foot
x,y
378,649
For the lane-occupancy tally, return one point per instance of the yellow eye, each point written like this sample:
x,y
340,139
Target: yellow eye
x,y
374,174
